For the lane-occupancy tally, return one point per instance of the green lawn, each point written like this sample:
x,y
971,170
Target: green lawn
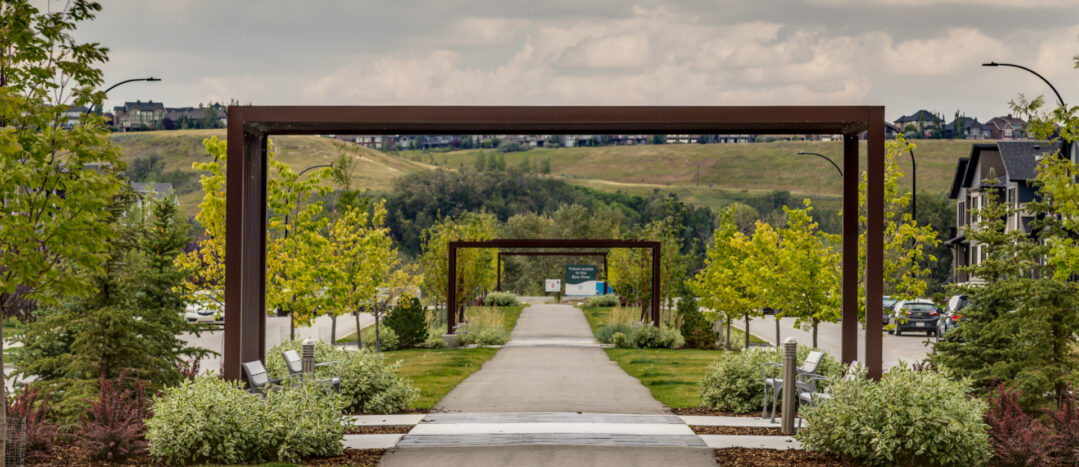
x,y
671,375
436,371
598,317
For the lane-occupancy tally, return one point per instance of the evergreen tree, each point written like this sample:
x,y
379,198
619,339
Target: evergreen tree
x,y
409,321
132,321
695,327
1021,323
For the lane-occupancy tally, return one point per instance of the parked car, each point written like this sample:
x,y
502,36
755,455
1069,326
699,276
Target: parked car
x,y
200,314
886,313
952,315
915,315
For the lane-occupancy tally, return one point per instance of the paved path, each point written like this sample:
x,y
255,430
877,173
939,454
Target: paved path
x,y
550,397
907,348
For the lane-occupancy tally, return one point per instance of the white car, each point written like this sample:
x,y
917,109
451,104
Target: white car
x,y
199,314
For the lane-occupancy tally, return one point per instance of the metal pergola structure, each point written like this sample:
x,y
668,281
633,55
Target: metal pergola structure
x,y
498,284
250,126
563,243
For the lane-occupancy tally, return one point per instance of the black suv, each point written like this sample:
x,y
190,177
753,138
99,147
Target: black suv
x,y
916,315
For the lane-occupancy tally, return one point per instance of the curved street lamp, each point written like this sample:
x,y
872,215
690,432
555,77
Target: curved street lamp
x,y
1021,67
822,156
110,88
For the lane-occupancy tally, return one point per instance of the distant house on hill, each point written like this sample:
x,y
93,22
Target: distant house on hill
x,y
966,128
153,190
139,115
182,118
1007,127
72,115
1013,164
920,120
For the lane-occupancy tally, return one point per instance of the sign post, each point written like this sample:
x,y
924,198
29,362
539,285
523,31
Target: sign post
x,y
580,279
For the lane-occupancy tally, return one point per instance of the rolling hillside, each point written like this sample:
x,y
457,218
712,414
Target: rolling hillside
x,y
709,175
180,149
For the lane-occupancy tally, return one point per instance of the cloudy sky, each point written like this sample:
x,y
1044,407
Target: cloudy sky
x,y
904,54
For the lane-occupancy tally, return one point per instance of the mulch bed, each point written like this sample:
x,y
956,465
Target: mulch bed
x,y
378,429
708,411
356,457
744,457
737,430
67,454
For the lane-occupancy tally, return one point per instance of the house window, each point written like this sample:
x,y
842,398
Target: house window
x,y
962,218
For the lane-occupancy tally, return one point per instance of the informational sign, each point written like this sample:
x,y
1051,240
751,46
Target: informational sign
x,y
580,279
552,285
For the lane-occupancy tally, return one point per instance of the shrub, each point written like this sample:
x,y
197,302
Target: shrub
x,y
368,383
695,327
601,301
606,332
408,320
735,382
206,420
212,420
669,338
501,299
388,338
620,340
483,336
112,428
1018,438
32,405
907,418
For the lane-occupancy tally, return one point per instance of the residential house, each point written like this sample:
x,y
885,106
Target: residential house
x,y
1013,165
139,115
920,120
179,118
681,139
1007,127
72,115
966,128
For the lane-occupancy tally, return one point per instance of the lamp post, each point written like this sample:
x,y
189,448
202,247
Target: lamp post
x,y
822,156
110,88
1065,146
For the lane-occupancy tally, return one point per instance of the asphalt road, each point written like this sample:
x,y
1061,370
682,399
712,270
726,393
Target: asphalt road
x,y
908,347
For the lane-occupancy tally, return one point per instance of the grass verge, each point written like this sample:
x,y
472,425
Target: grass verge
x,y
672,375
598,317
437,371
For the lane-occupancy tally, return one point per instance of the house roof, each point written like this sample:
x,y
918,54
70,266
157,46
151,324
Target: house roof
x,y
1020,161
1002,122
919,116
968,123
148,105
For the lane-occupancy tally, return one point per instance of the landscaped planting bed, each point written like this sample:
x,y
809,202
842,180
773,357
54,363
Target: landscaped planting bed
x,y
745,457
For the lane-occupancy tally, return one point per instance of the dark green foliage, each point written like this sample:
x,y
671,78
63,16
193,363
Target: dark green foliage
x,y
695,328
408,320
937,210
131,323
1021,323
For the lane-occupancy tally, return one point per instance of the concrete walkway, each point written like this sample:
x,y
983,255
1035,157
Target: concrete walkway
x,y
525,408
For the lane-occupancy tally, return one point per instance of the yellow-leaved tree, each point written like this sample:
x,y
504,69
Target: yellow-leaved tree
x,y
727,283
475,266
807,271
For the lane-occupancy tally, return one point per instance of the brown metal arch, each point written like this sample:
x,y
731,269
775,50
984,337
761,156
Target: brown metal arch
x,y
249,127
498,283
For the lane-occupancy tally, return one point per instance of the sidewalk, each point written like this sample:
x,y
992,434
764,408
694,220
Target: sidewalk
x,y
525,408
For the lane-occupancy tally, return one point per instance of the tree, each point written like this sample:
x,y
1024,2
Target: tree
x,y
360,256
726,284
763,262
905,241
475,266
481,162
55,182
1021,324
807,276
130,324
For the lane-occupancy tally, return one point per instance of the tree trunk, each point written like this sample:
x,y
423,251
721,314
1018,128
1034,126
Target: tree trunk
x,y
378,338
727,341
3,396
777,330
816,322
291,325
746,346
333,329
359,335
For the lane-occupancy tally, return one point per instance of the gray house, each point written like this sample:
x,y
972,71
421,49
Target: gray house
x,y
1013,164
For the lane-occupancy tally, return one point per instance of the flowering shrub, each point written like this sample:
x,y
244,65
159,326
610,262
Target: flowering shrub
x,y
112,428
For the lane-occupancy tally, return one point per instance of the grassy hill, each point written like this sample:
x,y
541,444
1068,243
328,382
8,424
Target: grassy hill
x,y
180,149
709,175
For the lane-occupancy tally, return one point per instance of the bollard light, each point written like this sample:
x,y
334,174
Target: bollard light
x,y
790,391
308,358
